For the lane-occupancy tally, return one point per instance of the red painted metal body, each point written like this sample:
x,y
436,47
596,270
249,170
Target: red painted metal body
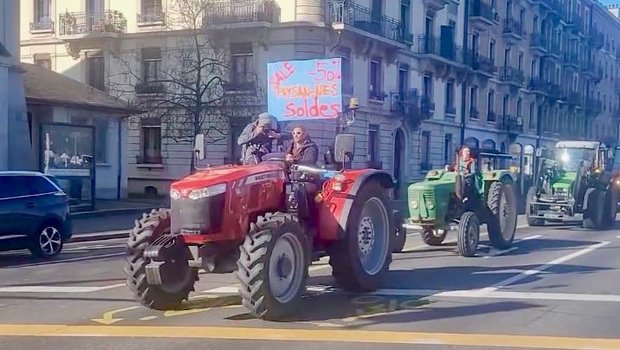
x,y
256,189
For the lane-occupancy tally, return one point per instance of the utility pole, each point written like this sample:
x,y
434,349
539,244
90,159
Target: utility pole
x,y
466,62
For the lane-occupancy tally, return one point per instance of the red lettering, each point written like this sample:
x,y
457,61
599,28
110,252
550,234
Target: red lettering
x,y
312,108
290,109
281,75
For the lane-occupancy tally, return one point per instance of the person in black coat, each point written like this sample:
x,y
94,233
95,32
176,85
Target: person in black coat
x,y
302,150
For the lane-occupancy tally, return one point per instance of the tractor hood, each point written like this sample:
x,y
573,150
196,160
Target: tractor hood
x,y
226,174
433,179
565,181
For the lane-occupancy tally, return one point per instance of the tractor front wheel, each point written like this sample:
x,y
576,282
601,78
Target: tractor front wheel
x,y
273,266
360,261
468,234
433,237
595,215
531,197
177,287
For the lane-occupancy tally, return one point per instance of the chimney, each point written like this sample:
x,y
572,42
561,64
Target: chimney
x,y
614,9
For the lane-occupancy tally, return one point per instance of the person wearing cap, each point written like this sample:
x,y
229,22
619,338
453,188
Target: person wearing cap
x,y
257,138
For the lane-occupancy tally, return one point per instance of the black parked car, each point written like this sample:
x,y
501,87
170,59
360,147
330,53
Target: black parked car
x,y
34,213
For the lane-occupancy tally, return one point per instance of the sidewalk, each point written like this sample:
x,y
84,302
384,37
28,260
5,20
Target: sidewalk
x,y
104,207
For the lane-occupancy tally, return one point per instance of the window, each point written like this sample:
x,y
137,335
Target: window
x,y
242,63
373,143
43,60
533,70
151,64
151,7
425,145
95,70
450,98
519,107
473,102
520,62
375,92
428,86
42,15
377,10
447,149
492,51
403,81
405,13
40,185
345,69
506,105
151,141
101,139
13,186
532,124
491,107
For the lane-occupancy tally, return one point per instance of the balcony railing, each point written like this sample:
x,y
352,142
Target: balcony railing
x,y
437,46
539,40
247,11
483,64
360,17
511,124
537,84
149,87
511,75
42,25
72,23
571,58
513,27
241,81
151,17
149,158
482,9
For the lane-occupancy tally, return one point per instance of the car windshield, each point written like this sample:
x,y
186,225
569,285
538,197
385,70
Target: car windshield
x,y
570,158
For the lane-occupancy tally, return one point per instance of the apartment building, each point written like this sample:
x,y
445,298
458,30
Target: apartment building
x,y
507,75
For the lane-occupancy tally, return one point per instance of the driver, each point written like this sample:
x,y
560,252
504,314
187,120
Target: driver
x,y
303,150
257,138
466,163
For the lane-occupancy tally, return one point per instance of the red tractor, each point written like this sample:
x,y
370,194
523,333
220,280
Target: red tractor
x,y
267,222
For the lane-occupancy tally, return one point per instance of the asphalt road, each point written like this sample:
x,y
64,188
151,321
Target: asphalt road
x,y
557,288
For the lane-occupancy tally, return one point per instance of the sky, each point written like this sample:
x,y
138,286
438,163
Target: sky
x,y
609,2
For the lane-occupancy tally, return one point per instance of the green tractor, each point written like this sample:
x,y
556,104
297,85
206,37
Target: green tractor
x,y
574,186
447,200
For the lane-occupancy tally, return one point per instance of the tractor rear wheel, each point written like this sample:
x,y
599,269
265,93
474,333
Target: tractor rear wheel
x,y
273,266
595,214
360,261
531,197
146,230
502,223
468,234
433,237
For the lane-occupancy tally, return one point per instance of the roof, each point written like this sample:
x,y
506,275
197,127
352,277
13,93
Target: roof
x,y
579,144
46,87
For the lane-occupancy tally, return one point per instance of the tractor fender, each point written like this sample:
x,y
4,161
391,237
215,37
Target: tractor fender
x,y
586,198
334,217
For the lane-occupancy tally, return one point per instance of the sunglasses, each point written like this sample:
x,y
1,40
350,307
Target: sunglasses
x,y
297,133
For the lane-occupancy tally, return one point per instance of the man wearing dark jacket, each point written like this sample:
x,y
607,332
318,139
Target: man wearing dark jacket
x,y
257,138
303,150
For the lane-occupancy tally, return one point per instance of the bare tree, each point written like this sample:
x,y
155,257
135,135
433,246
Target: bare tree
x,y
189,94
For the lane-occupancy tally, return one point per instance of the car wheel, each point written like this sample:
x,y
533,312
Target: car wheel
x,y
47,241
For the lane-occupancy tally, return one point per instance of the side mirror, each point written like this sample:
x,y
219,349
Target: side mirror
x,y
199,146
344,148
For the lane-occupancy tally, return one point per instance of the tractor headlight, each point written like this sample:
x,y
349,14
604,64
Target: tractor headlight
x,y
617,182
175,194
414,204
207,191
430,205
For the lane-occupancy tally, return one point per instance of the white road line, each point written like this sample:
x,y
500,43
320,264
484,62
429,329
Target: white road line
x,y
541,268
55,289
62,261
495,252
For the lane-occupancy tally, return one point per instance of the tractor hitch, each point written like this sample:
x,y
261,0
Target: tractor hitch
x,y
168,255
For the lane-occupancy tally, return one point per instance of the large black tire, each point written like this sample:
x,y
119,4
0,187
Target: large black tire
x,y
611,208
594,217
468,234
502,223
400,233
429,237
47,241
146,230
531,196
261,259
346,256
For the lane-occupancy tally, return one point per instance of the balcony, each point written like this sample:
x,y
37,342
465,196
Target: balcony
x,y
149,87
409,106
538,86
42,25
436,5
151,18
483,65
240,82
511,125
571,60
82,24
351,17
554,51
513,30
427,106
539,43
596,39
511,75
482,15
239,19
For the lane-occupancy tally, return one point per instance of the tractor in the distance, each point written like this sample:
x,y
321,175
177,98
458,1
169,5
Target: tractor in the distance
x,y
447,199
574,186
268,222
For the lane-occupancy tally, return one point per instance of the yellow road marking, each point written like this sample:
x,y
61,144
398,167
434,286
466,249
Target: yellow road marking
x,y
108,318
324,335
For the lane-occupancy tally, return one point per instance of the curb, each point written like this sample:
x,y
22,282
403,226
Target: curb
x,y
108,212
98,236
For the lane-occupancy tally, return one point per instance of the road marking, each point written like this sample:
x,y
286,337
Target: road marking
x,y
541,268
56,289
108,317
148,318
493,252
502,272
324,335
62,261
